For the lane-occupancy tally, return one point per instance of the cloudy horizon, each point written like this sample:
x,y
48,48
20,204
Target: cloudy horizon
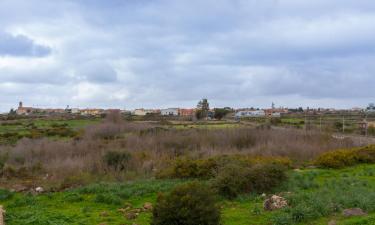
x,y
163,53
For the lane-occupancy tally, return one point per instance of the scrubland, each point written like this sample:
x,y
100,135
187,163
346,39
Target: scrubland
x,y
90,175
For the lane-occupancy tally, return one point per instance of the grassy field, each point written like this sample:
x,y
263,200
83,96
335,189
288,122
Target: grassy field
x,y
72,163
23,125
317,196
12,131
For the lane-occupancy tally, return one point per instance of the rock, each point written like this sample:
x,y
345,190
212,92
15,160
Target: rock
x,y
275,202
122,210
332,222
39,190
131,215
147,206
353,212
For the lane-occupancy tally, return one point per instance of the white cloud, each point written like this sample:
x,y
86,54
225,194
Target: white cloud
x,y
171,53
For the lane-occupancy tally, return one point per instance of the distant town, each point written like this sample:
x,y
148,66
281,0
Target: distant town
x,y
273,111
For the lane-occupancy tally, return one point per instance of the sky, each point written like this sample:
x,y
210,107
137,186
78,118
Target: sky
x,y
170,53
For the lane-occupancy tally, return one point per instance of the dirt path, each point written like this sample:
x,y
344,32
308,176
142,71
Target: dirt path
x,y
2,211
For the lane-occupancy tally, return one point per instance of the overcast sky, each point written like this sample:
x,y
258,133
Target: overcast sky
x,y
168,53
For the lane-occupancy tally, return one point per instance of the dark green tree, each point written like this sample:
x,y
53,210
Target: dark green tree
x,y
12,112
219,113
202,108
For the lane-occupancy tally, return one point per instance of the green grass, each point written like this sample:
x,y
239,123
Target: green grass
x,y
12,131
317,197
22,124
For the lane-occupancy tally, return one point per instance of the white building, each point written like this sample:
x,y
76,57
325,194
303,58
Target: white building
x,y
250,113
75,110
169,112
143,112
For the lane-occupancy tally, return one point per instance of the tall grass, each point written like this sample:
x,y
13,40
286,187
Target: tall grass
x,y
150,146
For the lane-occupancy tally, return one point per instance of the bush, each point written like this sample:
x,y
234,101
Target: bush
x,y
346,157
232,180
265,177
185,169
117,160
209,168
235,179
187,204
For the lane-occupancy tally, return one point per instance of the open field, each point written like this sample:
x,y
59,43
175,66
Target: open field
x,y
112,164
347,123
14,130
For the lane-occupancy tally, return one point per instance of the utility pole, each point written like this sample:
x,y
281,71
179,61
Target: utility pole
x,y
343,124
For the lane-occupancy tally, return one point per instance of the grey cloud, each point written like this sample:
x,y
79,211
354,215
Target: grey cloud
x,y
97,72
235,52
21,45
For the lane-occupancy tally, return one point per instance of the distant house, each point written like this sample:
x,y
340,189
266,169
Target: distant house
x,y
275,112
250,113
21,110
91,112
143,112
186,112
74,111
170,112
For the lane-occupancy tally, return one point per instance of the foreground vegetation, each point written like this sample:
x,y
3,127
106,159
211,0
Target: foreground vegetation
x,y
105,171
316,196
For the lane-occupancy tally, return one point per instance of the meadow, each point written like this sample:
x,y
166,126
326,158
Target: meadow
x,y
110,166
318,197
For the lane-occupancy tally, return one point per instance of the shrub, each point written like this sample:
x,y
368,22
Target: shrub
x,y
235,179
209,168
265,177
117,160
232,180
187,204
346,157
185,168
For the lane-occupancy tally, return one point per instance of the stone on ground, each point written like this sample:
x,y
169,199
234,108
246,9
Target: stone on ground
x,y
353,212
274,203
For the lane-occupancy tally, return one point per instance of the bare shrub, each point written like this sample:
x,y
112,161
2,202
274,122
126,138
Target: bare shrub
x,y
153,149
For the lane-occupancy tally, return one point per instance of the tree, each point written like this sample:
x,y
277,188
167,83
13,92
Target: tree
x,y
202,109
220,113
12,112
